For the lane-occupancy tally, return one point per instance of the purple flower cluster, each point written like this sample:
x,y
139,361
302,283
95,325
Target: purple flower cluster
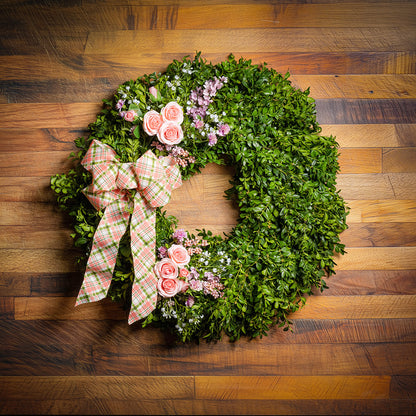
x,y
199,101
210,283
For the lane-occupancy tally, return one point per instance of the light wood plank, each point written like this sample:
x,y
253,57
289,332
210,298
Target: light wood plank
x,y
306,387
399,160
358,307
40,261
249,40
62,308
377,258
377,186
360,160
383,210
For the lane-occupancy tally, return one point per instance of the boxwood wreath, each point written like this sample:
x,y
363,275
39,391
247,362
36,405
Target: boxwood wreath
x,y
290,213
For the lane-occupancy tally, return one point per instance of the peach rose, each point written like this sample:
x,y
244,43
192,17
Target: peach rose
x,y
172,112
168,287
170,133
179,255
130,115
166,269
152,121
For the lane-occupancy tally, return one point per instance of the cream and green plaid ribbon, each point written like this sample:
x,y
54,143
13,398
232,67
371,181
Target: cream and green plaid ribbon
x,y
152,181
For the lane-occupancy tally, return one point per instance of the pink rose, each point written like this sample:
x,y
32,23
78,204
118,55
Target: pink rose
x,y
153,91
172,112
130,115
152,121
179,255
170,133
168,287
183,272
166,269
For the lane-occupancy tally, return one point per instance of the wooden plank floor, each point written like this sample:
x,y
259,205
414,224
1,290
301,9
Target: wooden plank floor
x,y
353,349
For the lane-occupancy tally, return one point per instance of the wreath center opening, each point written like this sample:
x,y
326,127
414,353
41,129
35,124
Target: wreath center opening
x,y
201,201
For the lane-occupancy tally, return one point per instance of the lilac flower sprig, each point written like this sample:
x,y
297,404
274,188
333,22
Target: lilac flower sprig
x,y
198,111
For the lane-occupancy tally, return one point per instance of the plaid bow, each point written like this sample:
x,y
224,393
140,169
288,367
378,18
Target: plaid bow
x,y
153,180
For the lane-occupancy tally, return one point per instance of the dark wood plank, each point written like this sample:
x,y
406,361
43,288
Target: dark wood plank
x,y
371,282
210,407
156,342
349,111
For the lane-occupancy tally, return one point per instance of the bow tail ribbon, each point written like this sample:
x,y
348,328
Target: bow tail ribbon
x,y
143,247
103,256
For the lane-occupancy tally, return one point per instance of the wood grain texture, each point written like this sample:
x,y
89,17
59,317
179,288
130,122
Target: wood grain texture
x,y
352,347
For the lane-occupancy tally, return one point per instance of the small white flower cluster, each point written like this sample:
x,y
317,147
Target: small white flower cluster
x,y
181,325
174,83
187,68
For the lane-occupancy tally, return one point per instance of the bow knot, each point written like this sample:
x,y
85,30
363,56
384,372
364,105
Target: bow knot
x,y
112,190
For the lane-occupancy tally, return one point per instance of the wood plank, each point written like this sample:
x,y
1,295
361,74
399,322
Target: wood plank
x,y
371,282
379,234
89,387
360,160
39,140
356,111
152,341
29,237
202,16
357,86
377,186
377,258
33,216
399,160
61,308
26,189
94,89
41,261
83,69
48,115
403,387
35,163
211,407
259,359
372,135
383,210
249,40
292,387
322,307
6,308
369,307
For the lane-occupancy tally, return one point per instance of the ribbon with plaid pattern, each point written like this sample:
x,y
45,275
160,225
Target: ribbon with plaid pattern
x,y
152,181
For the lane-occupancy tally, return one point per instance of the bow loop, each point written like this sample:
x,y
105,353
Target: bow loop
x,y
153,179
